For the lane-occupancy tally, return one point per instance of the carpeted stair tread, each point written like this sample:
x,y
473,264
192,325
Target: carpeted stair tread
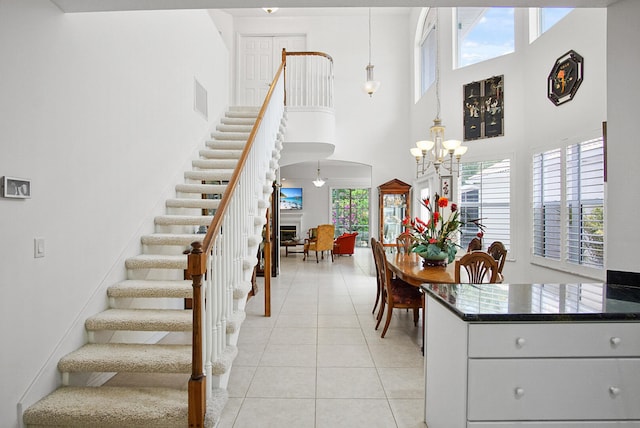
x,y
238,120
215,163
203,189
209,175
211,204
223,149
107,407
234,127
171,238
217,135
151,289
129,358
242,114
184,220
157,261
141,320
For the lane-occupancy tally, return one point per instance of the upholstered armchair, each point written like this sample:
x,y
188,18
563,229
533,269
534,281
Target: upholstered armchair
x,y
323,241
345,243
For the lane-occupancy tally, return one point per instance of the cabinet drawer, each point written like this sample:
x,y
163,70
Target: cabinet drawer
x,y
554,340
553,389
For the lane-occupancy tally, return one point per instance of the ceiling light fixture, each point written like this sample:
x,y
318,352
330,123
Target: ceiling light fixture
x,y
434,151
318,182
371,85
270,10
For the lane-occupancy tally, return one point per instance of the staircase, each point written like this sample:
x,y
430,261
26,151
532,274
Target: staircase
x,y
151,300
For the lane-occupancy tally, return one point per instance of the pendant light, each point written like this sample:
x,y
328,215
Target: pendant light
x,y
318,182
371,85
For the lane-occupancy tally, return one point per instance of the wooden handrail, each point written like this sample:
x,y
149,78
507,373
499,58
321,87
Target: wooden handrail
x,y
216,222
310,54
197,267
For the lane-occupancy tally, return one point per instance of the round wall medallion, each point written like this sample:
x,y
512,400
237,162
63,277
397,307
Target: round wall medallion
x,y
565,78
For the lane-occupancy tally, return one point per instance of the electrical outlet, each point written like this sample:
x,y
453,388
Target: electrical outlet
x,y
38,247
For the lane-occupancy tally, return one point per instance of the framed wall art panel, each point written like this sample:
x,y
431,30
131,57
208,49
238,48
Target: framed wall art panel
x,y
483,106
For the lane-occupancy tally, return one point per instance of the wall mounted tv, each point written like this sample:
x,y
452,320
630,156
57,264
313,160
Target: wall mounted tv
x,y
291,198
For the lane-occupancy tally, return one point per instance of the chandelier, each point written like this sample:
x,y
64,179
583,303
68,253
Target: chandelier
x,y
438,153
371,85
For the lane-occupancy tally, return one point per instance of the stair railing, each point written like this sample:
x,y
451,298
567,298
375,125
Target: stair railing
x,y
309,80
225,258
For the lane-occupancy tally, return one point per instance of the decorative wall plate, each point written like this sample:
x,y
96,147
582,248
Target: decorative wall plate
x,y
565,78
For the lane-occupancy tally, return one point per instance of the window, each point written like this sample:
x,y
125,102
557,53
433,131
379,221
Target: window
x,y
585,203
486,194
550,16
428,51
350,212
568,204
547,194
484,33
542,19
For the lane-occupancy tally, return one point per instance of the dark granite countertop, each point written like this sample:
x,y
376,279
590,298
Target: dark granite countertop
x,y
539,302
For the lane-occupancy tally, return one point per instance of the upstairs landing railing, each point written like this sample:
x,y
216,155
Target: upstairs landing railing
x,y
227,254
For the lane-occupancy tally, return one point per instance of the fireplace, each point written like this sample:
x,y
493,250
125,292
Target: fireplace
x,y
287,233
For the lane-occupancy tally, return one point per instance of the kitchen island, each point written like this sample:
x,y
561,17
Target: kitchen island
x,y
532,355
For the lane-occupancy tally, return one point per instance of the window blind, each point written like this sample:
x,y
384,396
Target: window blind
x,y
547,194
585,203
486,194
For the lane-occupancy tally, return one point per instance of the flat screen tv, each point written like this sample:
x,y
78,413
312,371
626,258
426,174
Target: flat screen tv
x,y
291,198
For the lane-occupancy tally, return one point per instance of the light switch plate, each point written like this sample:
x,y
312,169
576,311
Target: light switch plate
x,y
38,247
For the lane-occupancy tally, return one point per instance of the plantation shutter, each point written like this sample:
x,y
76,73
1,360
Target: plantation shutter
x,y
547,197
585,203
486,194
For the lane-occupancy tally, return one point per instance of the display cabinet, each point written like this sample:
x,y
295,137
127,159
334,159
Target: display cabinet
x,y
394,202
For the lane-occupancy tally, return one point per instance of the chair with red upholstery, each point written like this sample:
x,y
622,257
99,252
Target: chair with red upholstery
x,y
345,243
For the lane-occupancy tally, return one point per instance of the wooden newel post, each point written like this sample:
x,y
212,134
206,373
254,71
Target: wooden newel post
x,y
196,267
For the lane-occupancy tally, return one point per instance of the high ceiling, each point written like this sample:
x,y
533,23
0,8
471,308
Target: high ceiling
x,y
112,5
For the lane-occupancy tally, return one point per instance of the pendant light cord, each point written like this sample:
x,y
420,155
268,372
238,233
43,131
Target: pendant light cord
x,y
437,64
369,36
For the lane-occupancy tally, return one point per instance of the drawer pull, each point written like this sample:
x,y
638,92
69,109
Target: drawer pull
x,y
519,392
615,341
614,391
520,342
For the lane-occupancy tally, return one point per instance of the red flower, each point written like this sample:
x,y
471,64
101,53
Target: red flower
x,y
406,221
436,216
480,234
432,240
426,201
443,202
454,207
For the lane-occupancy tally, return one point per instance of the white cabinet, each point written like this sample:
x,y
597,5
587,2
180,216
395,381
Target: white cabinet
x,y
530,374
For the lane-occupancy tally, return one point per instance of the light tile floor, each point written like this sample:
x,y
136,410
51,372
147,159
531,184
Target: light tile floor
x,y
317,361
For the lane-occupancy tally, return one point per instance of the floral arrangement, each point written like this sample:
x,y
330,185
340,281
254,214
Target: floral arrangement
x,y
435,238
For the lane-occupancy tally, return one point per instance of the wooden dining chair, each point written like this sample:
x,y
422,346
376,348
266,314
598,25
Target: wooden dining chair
x,y
498,251
404,242
375,262
396,293
474,245
479,266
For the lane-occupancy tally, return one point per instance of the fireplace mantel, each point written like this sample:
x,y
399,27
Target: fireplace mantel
x,y
292,219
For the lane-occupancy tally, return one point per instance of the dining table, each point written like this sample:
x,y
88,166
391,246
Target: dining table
x,y
408,267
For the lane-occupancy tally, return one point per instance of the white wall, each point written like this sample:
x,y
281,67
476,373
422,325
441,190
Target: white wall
x,y
623,152
531,121
97,110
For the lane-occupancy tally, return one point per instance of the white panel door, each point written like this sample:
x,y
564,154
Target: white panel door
x,y
260,57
